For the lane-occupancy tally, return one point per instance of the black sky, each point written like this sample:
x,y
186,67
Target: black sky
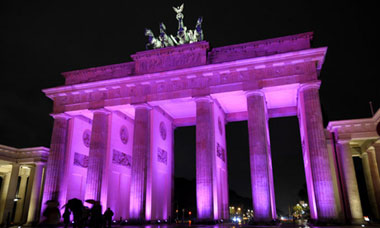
x,y
41,39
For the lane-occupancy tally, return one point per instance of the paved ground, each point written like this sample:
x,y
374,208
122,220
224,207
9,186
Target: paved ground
x,y
239,226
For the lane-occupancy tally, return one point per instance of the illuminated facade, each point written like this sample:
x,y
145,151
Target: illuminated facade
x,y
356,138
21,183
112,139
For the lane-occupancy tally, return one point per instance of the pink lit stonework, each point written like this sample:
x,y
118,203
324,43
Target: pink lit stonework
x,y
134,107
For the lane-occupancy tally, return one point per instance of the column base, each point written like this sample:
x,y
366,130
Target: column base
x,y
358,221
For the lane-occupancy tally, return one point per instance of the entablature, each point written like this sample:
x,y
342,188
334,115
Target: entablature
x,y
246,74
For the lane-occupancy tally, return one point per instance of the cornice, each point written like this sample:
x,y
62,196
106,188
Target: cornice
x,y
303,56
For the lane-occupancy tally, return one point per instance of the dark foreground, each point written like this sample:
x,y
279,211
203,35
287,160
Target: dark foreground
x,y
242,226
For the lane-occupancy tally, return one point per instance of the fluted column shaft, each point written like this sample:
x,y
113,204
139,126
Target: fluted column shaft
x,y
56,160
140,158
35,199
97,154
376,146
312,133
259,156
350,185
370,185
204,153
373,165
11,194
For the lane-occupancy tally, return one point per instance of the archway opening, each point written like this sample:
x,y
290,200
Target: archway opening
x,y
288,166
239,178
184,202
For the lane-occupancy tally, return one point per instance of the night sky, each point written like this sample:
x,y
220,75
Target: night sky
x,y
41,39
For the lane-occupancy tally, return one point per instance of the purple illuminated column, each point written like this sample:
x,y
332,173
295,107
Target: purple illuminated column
x,y
204,156
55,164
314,142
97,154
140,158
350,185
259,156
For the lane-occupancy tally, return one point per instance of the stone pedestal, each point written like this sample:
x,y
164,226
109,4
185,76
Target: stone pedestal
x,y
97,154
204,153
35,198
260,157
370,187
56,160
350,185
140,158
315,148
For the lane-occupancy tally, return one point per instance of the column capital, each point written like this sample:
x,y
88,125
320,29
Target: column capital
x,y
204,99
142,106
342,140
309,85
258,92
100,110
60,116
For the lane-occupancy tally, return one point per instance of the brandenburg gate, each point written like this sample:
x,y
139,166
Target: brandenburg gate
x,y
112,139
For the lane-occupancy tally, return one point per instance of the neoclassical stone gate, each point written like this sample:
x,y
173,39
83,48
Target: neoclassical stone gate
x,y
113,126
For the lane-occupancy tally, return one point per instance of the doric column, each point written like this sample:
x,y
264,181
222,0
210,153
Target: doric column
x,y
314,144
97,154
350,185
376,146
140,158
259,156
370,185
204,153
373,165
56,160
24,174
11,194
35,198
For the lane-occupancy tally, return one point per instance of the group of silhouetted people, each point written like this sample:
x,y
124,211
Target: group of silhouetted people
x,y
82,216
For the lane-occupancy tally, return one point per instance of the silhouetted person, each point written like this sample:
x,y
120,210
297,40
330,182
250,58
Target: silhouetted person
x,y
66,217
76,206
108,217
52,214
96,215
85,216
